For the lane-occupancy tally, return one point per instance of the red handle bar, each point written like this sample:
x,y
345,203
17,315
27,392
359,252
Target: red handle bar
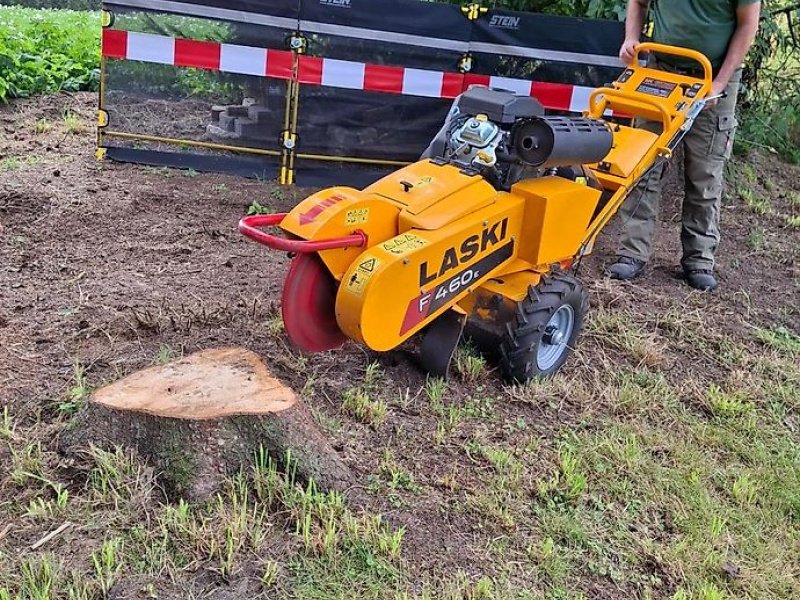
x,y
249,226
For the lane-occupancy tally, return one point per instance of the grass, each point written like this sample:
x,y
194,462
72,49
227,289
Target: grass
x,y
73,124
78,392
780,338
757,204
362,402
670,485
13,163
42,126
755,239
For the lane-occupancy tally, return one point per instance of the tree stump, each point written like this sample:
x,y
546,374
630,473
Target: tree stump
x,y
204,417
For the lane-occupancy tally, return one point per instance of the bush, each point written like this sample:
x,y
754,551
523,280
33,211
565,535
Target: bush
x,y
63,4
770,108
45,51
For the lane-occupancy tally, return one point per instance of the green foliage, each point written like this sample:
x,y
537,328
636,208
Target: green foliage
x,y
63,4
45,51
770,108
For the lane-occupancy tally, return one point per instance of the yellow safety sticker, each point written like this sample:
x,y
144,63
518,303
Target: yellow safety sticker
x,y
359,279
356,216
403,244
427,180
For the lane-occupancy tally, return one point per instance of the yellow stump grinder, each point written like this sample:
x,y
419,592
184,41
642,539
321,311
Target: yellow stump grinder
x,y
486,232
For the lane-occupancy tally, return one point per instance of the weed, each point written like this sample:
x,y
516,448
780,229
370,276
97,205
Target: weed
x,y
373,374
256,208
160,171
73,124
744,490
470,364
434,389
269,573
780,338
27,465
793,221
41,508
728,404
755,239
756,205
358,403
748,172
12,163
40,578
78,392
6,424
42,126
117,479
166,354
219,188
107,563
394,479
794,198
190,173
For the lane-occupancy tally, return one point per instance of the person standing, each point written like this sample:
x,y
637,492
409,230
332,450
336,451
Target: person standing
x,y
724,31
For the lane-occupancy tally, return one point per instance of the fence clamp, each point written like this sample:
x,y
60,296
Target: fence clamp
x,y
107,18
474,11
465,63
289,140
297,42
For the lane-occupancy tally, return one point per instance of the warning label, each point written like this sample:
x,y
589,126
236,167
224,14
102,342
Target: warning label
x,y
403,244
359,279
356,216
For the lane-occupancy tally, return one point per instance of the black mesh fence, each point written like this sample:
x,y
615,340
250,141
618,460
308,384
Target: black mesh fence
x,y
337,89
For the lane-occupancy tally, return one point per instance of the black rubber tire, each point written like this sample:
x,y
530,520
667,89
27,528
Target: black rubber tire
x,y
520,343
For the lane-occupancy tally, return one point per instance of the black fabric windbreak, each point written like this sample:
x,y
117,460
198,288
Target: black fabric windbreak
x,y
547,48
365,124
180,115
404,17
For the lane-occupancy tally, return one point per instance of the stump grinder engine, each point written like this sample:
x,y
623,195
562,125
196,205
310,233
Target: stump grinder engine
x,y
486,233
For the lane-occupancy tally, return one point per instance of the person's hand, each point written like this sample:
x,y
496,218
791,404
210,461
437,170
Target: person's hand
x,y
718,88
627,51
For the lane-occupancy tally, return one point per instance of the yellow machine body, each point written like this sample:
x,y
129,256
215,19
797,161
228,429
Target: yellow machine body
x,y
442,238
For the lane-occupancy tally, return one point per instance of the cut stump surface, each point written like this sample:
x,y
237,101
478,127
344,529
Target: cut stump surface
x,y
204,417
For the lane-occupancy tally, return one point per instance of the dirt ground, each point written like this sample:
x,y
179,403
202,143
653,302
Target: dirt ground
x,y
111,266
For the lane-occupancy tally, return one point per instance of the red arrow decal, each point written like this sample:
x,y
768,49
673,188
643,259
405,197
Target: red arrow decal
x,y
311,215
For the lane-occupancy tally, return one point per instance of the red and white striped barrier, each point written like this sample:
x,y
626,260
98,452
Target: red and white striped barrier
x,y
311,70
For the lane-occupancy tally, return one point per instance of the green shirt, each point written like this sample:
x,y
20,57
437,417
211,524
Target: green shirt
x,y
703,25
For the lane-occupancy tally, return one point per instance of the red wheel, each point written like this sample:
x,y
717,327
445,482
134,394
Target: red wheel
x,y
308,305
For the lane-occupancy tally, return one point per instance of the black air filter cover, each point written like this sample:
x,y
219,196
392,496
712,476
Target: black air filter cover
x,y
500,106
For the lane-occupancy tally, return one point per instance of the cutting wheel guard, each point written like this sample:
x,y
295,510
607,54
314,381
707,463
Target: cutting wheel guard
x,y
251,227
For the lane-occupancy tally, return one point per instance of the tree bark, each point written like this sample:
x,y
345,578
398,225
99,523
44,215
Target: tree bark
x,y
204,417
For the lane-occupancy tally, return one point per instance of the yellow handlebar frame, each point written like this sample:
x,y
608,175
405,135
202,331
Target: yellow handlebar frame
x,y
694,55
604,94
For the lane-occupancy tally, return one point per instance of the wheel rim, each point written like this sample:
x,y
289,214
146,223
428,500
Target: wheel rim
x,y
557,334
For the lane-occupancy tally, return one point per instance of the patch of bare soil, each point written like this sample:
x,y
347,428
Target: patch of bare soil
x,y
109,266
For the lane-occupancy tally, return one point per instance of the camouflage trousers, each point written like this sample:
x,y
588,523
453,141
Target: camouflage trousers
x,y
707,148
